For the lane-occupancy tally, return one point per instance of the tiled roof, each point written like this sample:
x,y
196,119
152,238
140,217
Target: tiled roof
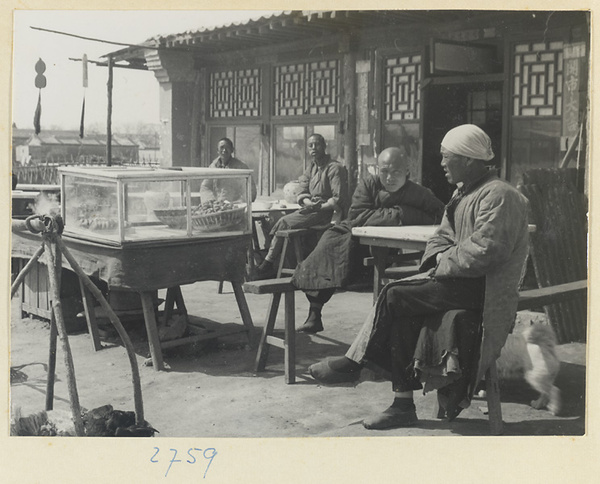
x,y
288,26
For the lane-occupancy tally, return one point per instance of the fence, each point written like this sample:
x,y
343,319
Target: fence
x,y
47,173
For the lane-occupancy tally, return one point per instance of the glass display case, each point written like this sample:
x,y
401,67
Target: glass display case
x,y
124,205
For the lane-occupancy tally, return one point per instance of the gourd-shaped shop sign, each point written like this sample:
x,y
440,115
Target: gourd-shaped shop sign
x,y
40,83
40,79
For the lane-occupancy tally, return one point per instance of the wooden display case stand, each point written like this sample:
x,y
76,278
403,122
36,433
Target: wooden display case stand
x,y
174,296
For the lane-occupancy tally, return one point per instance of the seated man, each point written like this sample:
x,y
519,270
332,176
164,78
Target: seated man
x,y
324,190
474,261
226,189
387,199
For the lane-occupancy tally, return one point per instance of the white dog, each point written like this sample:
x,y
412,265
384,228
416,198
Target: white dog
x,y
532,354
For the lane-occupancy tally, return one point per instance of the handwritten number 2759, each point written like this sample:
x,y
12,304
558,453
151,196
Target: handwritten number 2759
x,y
208,454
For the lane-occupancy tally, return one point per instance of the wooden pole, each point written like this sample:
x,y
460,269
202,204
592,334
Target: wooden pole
x,y
349,112
53,264
51,363
565,161
25,270
114,319
109,86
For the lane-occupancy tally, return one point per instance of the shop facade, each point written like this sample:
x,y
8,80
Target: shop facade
x,y
367,80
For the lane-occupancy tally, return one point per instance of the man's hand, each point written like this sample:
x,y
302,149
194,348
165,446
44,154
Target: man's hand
x,y
310,206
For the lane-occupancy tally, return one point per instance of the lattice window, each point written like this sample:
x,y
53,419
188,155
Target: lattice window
x,y
235,93
307,88
402,80
538,79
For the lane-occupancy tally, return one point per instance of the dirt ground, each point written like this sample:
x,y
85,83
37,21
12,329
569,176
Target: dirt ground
x,y
210,389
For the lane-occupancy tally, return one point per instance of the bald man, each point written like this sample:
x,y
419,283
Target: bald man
x,y
474,261
387,199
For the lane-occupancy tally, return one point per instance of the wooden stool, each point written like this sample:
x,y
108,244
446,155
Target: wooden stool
x,y
462,319
276,287
295,237
492,388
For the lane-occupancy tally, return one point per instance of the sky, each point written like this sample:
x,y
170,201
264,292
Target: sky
x,y
135,93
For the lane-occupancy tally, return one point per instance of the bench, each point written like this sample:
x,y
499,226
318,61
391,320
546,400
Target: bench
x,y
295,237
277,287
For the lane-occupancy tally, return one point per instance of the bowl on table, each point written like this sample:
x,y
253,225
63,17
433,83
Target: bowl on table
x,y
260,205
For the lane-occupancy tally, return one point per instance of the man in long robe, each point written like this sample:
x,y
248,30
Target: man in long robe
x,y
226,189
474,261
324,191
388,199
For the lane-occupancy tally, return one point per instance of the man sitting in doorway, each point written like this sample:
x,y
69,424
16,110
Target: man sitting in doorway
x,y
474,261
226,189
387,199
324,190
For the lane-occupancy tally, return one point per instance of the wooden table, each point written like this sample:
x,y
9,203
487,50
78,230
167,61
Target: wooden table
x,y
381,240
146,268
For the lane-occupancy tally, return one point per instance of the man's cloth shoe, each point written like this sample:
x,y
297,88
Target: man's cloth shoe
x,y
265,271
312,325
323,373
394,416
450,398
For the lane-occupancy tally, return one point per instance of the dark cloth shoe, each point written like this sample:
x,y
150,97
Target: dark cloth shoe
x,y
394,416
313,323
265,271
323,373
450,397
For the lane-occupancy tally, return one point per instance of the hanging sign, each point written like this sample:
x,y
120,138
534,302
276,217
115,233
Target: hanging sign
x,y
40,83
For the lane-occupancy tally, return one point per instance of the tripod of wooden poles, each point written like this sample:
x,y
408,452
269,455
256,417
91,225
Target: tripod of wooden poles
x,y
55,248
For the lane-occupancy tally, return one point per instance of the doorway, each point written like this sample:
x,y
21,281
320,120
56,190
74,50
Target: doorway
x,y
447,105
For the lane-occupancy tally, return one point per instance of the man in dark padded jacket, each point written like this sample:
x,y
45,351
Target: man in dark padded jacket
x,y
388,199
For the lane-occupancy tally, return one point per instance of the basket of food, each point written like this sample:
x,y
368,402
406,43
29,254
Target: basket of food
x,y
210,216
218,215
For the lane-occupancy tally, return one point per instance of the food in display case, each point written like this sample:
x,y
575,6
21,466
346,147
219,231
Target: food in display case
x,y
210,215
122,205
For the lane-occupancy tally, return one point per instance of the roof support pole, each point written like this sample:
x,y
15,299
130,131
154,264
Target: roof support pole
x,y
109,88
348,111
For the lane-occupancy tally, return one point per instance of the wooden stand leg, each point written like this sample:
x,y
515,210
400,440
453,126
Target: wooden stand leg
x,y
51,363
179,299
169,303
380,260
152,330
263,346
286,242
21,276
290,338
493,400
244,310
54,268
297,241
90,316
114,319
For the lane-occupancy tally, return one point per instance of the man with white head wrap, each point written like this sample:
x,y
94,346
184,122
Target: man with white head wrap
x,y
474,261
